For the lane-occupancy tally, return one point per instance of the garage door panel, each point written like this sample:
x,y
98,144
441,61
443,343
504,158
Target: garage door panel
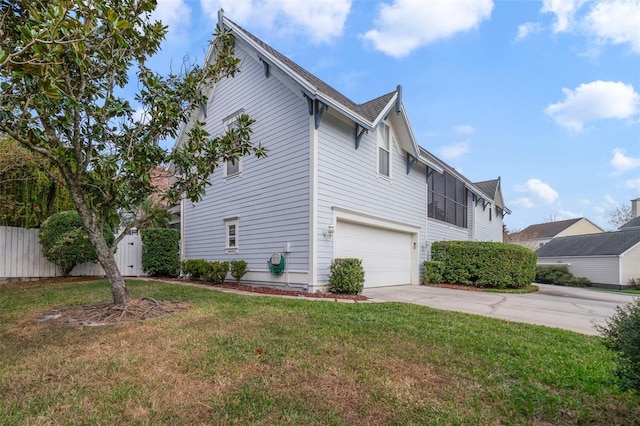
x,y
385,254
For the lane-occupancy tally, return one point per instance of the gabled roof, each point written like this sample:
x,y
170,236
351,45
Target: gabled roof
x,y
371,111
633,223
602,244
549,229
489,187
367,115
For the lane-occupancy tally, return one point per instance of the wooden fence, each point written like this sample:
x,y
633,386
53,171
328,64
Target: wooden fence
x,y
21,257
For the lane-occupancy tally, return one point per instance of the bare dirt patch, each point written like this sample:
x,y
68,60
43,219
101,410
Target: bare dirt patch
x,y
108,313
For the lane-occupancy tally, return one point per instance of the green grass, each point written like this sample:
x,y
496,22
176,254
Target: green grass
x,y
234,359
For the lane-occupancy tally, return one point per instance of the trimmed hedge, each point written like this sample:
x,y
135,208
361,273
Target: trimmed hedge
x,y
433,272
212,271
559,275
216,272
194,268
238,269
485,263
346,276
160,248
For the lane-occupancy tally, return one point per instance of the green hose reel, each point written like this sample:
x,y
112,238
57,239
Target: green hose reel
x,y
276,264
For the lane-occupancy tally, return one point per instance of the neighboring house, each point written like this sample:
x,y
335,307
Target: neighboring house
x,y
340,179
608,259
535,236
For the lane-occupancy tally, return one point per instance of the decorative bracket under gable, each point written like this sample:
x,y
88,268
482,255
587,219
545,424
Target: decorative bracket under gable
x,y
410,162
319,109
309,103
429,173
265,66
485,202
360,131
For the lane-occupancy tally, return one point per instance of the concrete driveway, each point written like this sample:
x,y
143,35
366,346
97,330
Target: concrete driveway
x,y
574,309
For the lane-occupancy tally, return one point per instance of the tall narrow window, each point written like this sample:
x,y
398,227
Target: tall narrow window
x,y
232,168
231,226
384,151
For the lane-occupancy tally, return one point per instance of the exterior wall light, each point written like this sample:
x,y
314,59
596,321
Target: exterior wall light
x,y
329,232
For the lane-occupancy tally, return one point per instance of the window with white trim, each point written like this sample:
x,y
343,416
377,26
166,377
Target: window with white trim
x,y
384,150
231,226
232,168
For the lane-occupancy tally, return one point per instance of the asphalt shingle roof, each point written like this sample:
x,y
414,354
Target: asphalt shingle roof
x,y
489,187
633,223
549,229
370,109
602,244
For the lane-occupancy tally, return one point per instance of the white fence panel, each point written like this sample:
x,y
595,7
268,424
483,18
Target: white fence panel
x,y
21,256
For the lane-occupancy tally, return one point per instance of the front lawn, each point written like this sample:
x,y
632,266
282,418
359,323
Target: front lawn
x,y
265,360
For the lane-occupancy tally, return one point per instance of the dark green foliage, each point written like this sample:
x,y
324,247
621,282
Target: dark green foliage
x,y
559,275
622,335
194,268
65,243
634,284
160,251
216,272
433,270
30,189
238,269
485,264
346,276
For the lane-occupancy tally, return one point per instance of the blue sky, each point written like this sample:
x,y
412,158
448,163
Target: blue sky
x,y
544,94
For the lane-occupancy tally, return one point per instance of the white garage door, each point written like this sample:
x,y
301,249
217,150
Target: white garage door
x,y
385,254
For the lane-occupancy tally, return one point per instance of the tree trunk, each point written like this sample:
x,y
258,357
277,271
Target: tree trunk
x,y
108,263
105,254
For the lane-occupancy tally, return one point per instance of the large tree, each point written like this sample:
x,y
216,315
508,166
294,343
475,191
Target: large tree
x,y
63,64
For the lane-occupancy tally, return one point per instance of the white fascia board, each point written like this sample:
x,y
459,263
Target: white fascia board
x,y
629,249
386,110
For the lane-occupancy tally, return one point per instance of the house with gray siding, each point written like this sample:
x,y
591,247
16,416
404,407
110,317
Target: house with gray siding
x,y
609,259
340,179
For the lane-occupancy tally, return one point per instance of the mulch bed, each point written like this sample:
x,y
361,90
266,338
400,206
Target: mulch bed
x,y
108,313
456,287
282,292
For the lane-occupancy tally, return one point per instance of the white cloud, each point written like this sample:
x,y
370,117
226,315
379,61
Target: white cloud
x,y
454,151
464,129
523,202
623,163
526,29
564,10
633,184
566,214
174,13
321,20
594,101
616,22
539,191
405,25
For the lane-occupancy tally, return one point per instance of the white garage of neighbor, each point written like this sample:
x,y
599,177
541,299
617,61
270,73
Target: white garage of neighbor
x,y
389,256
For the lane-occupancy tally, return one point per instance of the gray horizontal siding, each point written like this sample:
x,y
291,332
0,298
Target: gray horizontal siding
x,y
599,269
348,178
271,196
